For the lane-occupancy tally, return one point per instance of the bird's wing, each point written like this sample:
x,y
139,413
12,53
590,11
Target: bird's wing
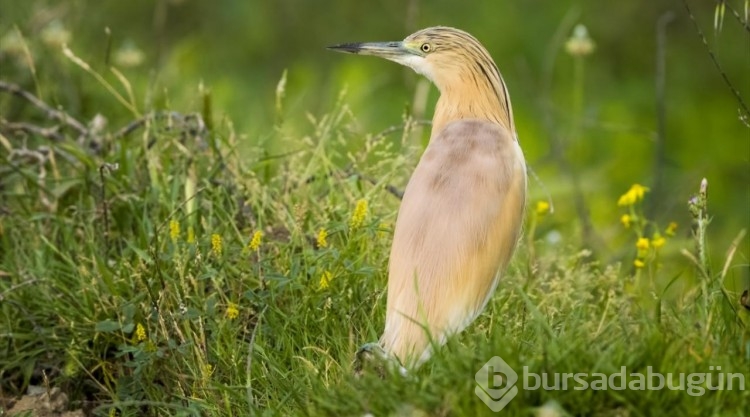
x,y
457,227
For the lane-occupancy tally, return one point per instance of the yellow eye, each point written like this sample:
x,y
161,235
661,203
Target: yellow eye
x,y
426,47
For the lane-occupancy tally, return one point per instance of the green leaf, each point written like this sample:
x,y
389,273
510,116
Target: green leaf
x,y
128,328
107,326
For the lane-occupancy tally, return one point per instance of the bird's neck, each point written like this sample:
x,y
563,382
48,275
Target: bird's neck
x,y
469,102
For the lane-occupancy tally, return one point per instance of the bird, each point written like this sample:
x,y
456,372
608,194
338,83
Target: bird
x,y
462,210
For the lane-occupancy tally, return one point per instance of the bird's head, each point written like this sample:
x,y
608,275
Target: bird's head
x,y
444,55
460,67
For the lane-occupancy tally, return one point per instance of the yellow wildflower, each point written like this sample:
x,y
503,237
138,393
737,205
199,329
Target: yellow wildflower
x,y
190,235
639,191
140,332
174,230
359,215
232,311
542,208
633,195
384,229
639,263
625,220
671,229
70,368
256,241
216,244
642,244
626,199
325,280
206,370
322,235
658,241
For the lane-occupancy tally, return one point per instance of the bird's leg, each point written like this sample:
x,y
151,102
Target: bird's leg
x,y
372,356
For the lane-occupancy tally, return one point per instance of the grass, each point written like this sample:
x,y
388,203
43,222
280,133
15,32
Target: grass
x,y
161,271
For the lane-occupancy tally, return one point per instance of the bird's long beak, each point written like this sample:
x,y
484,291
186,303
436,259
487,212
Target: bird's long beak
x,y
387,50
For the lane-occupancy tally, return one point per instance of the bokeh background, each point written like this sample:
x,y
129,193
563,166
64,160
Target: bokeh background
x,y
590,125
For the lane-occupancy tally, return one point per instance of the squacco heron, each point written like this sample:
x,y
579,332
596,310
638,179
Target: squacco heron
x,y
461,213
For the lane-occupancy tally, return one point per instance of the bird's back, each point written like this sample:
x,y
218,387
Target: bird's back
x,y
456,229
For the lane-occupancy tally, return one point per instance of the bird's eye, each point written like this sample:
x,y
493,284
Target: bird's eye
x,y
426,47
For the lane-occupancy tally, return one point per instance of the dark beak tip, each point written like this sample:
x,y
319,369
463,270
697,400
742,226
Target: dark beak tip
x,y
351,48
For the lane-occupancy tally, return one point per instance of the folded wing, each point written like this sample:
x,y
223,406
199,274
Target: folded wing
x,y
456,230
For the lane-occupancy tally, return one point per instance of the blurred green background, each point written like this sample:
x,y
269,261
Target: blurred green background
x,y
590,121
